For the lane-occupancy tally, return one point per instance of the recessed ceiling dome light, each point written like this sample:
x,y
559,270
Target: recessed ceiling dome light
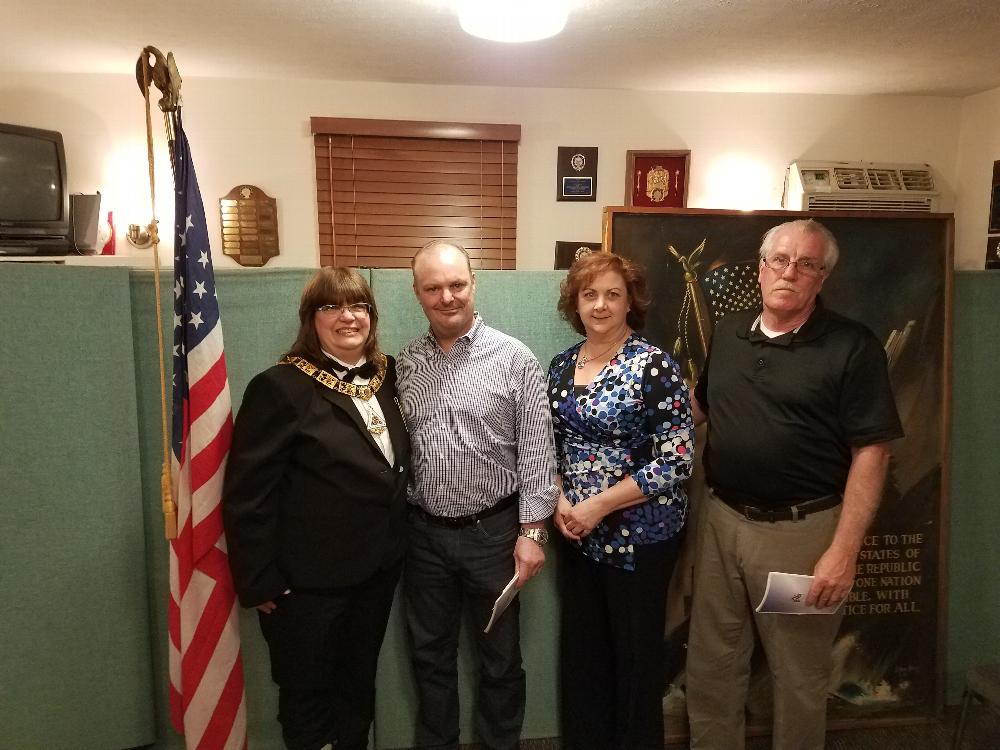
x,y
513,20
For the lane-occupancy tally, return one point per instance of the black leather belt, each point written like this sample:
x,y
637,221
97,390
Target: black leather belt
x,y
793,513
457,522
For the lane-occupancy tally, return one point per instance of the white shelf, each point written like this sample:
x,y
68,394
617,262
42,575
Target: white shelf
x,y
130,261
105,261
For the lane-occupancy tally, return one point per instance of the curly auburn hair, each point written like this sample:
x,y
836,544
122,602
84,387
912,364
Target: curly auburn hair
x,y
589,267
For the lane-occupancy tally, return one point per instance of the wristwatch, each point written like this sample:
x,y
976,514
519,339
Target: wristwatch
x,y
538,536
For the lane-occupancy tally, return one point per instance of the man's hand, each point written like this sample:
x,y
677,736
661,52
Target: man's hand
x,y
834,575
834,571
562,507
267,607
529,558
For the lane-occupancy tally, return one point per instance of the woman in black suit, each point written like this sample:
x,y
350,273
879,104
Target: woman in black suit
x,y
314,510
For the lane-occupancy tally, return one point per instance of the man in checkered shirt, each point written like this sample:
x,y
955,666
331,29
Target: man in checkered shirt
x,y
481,491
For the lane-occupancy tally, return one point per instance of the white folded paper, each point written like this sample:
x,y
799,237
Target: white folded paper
x,y
786,594
503,601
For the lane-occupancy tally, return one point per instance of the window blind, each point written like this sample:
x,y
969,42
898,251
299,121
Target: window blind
x,y
386,188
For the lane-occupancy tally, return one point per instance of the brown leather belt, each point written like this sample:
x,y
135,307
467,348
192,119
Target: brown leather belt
x,y
457,522
793,513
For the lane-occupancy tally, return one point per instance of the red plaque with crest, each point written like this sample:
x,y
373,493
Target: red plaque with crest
x,y
656,179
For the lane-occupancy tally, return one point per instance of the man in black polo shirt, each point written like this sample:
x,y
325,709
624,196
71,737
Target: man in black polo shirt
x,y
800,412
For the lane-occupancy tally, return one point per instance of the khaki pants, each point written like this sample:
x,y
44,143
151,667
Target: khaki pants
x,y
731,565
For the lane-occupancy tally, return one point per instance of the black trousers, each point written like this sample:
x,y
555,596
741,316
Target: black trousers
x,y
454,574
611,648
324,653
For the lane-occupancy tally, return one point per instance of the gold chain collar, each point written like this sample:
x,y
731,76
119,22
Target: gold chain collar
x,y
364,392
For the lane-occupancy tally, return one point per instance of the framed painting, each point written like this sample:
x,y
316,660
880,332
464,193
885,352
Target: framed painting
x,y
895,276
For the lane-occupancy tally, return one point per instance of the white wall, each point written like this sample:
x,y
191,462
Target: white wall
x,y
978,148
245,131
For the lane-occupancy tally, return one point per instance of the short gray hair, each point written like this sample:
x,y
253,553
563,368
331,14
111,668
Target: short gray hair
x,y
831,251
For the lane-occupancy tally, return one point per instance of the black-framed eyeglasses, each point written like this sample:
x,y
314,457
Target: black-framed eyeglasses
x,y
806,266
355,308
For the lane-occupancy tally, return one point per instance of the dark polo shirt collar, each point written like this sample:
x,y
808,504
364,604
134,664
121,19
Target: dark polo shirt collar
x,y
812,329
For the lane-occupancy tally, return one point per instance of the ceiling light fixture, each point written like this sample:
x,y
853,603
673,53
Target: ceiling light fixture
x,y
513,20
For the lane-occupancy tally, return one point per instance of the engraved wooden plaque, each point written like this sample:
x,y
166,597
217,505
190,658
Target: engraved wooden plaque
x,y
249,225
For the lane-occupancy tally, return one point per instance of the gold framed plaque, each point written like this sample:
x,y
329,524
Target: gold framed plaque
x,y
249,225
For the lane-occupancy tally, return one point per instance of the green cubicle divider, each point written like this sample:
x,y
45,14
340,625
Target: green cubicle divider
x,y
76,669
524,309
259,313
973,628
83,566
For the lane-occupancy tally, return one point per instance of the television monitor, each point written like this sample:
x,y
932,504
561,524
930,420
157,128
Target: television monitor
x,y
34,200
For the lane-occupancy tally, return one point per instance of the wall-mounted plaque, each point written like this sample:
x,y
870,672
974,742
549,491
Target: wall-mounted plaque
x,y
993,253
249,225
995,200
569,252
576,173
656,179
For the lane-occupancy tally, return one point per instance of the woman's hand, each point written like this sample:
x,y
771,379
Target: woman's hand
x,y
581,518
563,507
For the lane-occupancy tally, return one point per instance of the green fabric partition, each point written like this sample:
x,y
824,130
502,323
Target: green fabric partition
x,y
521,304
259,320
83,565
973,635
77,673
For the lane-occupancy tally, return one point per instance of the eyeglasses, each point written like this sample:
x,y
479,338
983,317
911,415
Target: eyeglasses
x,y
805,266
355,308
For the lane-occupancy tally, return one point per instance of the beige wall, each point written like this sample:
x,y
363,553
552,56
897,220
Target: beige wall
x,y
978,148
245,131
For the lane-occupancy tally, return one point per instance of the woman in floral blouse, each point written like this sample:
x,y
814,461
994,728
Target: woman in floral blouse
x,y
624,439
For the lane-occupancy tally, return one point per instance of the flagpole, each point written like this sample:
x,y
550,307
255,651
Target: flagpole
x,y
207,699
168,505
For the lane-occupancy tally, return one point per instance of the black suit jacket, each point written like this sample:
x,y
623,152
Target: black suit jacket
x,y
309,500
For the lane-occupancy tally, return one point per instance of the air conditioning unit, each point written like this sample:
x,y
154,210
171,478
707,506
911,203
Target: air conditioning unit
x,y
860,186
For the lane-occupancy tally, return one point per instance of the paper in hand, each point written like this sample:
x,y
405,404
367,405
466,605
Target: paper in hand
x,y
503,601
786,594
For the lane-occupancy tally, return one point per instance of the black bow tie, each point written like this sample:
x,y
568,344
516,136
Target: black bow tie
x,y
367,370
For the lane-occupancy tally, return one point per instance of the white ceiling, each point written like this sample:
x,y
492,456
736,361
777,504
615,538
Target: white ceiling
x,y
946,47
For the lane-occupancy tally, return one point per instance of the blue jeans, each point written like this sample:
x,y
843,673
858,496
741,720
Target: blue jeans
x,y
451,573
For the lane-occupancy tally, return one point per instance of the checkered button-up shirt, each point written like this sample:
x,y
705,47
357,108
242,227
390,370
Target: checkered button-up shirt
x,y
479,424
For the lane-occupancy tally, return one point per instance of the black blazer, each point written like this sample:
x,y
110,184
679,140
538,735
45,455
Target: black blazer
x,y
309,500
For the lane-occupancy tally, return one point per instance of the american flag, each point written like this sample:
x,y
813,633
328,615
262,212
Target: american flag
x,y
207,704
732,288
